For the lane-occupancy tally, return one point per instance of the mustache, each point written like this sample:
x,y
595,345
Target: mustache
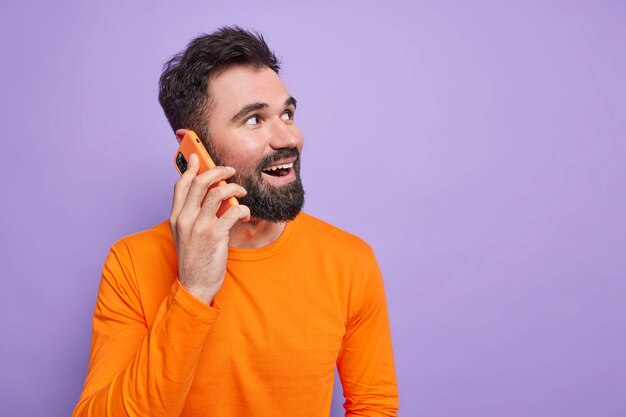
x,y
277,155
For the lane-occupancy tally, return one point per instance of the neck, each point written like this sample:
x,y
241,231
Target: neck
x,y
255,233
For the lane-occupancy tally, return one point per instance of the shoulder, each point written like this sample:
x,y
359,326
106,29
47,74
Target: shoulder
x,y
332,237
158,236
140,269
148,248
147,259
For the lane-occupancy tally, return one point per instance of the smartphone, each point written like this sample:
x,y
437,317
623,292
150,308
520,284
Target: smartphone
x,y
191,144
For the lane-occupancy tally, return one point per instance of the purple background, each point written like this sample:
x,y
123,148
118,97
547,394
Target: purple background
x,y
479,148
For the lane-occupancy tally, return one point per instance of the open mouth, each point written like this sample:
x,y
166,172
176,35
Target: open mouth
x,y
278,170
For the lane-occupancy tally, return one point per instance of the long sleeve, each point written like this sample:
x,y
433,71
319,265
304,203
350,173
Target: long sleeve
x,y
135,369
365,362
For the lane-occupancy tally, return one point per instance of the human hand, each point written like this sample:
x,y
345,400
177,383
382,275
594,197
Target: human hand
x,y
201,238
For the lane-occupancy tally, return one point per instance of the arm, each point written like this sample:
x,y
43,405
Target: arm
x,y
365,362
139,371
135,370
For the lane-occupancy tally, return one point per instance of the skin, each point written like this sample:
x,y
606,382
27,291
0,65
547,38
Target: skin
x,y
201,238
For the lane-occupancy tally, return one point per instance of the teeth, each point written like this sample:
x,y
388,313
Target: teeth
x,y
275,167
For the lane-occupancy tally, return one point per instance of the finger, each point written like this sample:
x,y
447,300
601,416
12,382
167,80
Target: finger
x,y
181,188
216,196
199,187
232,216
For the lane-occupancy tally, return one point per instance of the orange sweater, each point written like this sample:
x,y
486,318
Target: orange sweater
x,y
266,346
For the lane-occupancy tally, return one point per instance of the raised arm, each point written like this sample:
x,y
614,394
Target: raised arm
x,y
139,371
135,370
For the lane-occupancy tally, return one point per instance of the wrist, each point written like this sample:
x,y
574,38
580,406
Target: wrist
x,y
202,293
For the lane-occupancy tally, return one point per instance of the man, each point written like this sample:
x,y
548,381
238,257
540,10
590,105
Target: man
x,y
244,314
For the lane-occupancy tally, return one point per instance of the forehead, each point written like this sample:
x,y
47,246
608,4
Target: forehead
x,y
240,85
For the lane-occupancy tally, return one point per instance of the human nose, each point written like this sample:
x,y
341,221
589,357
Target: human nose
x,y
283,135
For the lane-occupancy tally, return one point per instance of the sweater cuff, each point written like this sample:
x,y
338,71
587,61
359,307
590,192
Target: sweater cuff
x,y
182,298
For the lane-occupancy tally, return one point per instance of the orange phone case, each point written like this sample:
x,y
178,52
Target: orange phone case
x,y
191,144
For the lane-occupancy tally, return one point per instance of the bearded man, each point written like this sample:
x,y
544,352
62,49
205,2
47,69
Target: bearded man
x,y
246,314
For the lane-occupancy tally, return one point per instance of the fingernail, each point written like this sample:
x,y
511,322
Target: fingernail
x,y
231,168
193,158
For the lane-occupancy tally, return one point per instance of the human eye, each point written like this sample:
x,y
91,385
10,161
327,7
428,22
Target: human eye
x,y
255,117
289,115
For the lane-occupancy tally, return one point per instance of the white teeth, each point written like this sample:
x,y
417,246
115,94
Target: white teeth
x,y
275,167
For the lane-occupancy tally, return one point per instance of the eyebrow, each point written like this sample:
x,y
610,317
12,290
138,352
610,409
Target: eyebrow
x,y
258,106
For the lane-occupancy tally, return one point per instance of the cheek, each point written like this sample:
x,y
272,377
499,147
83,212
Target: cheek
x,y
244,152
249,145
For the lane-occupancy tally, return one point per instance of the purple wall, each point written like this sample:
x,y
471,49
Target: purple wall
x,y
479,149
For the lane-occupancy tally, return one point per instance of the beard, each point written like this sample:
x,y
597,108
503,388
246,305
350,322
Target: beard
x,y
268,202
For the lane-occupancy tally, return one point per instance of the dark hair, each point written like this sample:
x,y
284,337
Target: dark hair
x,y
183,86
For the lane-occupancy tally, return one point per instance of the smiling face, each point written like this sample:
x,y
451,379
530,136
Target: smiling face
x,y
252,129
